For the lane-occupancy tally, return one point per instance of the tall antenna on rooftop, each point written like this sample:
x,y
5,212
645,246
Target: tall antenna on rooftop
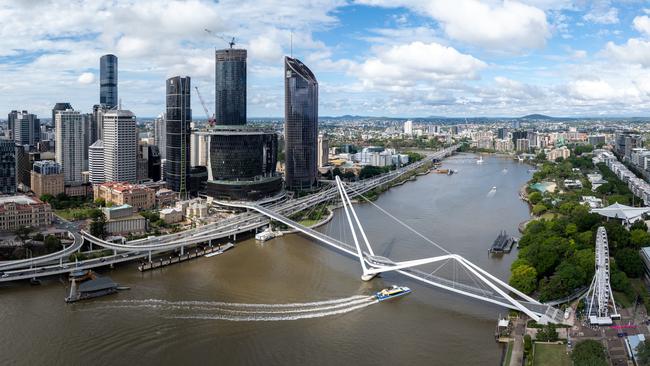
x,y
291,42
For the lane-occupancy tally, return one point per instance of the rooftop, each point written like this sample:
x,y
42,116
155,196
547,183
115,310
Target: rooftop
x,y
619,211
19,199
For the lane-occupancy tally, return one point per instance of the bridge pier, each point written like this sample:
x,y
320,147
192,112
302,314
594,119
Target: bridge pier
x,y
150,256
182,250
368,277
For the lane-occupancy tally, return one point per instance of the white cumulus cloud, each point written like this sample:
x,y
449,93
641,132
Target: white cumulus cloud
x,y
86,78
503,26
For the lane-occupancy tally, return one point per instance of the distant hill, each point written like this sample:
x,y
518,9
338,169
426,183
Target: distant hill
x,y
536,116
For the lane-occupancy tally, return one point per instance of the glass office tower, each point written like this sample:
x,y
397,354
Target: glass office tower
x,y
178,130
108,81
300,125
230,87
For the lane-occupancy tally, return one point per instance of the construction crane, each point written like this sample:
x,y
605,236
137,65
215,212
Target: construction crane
x,y
231,42
211,120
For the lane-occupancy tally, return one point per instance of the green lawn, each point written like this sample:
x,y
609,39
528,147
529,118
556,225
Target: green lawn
x,y
73,214
506,361
308,223
551,355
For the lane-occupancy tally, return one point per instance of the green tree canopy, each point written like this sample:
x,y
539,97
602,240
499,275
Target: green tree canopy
x,y
535,198
629,261
524,278
589,353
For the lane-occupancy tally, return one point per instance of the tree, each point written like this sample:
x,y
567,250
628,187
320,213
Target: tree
x,y
52,243
534,198
528,344
639,238
629,261
46,197
547,334
589,353
23,233
639,224
539,209
100,202
643,353
524,278
98,226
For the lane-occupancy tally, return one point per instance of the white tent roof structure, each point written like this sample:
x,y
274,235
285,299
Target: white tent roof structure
x,y
623,212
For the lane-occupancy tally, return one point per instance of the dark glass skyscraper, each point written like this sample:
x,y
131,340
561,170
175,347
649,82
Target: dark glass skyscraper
x,y
108,81
300,125
230,87
178,130
7,166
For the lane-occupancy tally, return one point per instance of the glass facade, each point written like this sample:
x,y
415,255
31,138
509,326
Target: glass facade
x,y
108,81
242,156
7,166
300,125
230,87
178,130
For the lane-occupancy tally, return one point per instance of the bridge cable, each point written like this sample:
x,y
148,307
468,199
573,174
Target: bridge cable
x,y
402,223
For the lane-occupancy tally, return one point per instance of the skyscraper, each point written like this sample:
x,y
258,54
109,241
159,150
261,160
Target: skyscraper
x,y
230,87
323,151
96,162
160,135
300,125
61,106
7,166
69,129
178,130
108,81
120,146
26,128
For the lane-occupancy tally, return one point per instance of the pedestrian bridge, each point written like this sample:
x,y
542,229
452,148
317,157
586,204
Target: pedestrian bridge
x,y
486,286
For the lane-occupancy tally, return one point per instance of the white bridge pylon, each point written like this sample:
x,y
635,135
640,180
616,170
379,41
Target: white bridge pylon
x,y
372,265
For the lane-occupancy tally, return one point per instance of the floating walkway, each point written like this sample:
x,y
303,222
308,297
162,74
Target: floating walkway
x,y
164,262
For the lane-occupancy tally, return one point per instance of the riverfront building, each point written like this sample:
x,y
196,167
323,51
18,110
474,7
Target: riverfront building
x,y
17,211
241,160
69,128
178,130
47,178
300,125
120,146
108,81
136,195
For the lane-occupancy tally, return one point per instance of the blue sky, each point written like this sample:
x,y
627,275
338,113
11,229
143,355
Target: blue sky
x,y
402,58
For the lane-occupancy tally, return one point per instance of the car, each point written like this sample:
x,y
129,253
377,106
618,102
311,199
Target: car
x,y
5,275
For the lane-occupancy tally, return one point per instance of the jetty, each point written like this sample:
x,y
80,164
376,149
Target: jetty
x,y
503,243
164,262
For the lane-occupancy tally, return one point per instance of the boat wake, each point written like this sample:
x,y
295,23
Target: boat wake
x,y
216,310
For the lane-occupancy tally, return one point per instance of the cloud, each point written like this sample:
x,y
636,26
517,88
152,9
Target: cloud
x,y
86,78
634,51
407,65
504,26
602,13
642,24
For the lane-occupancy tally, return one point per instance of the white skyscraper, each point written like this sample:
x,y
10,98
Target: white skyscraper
x,y
198,149
408,127
120,146
160,135
69,129
323,151
96,162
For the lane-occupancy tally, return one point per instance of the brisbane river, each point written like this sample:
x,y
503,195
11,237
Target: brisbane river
x,y
291,301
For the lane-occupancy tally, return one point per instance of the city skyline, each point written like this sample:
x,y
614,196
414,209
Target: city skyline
x,y
376,58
